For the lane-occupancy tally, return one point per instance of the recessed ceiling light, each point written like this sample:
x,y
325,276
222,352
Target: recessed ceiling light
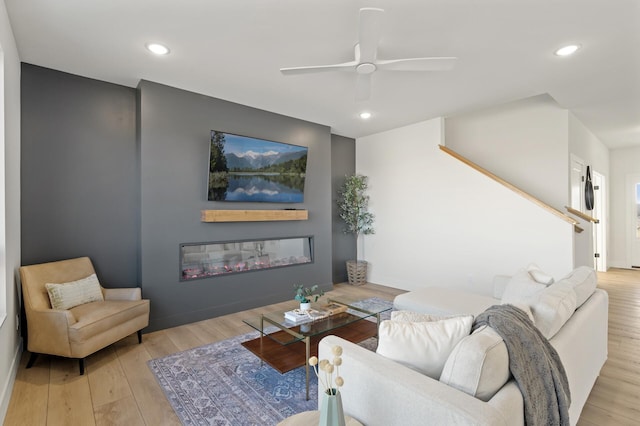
x,y
365,115
567,50
157,48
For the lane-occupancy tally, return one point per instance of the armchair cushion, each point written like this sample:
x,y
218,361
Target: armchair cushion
x,y
67,295
98,317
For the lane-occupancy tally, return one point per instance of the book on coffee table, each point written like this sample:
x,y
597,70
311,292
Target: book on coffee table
x,y
296,316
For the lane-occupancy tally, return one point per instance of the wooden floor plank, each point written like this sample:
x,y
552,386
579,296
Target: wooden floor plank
x,y
69,395
30,396
158,344
107,380
150,399
121,412
184,338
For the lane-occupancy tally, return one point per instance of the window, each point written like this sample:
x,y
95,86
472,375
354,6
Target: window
x,y
638,210
3,252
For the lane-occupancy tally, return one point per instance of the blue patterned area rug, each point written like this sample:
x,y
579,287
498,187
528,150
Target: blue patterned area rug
x,y
224,384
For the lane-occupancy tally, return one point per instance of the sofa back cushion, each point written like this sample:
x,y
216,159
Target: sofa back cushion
x,y
478,365
422,346
553,307
584,281
410,316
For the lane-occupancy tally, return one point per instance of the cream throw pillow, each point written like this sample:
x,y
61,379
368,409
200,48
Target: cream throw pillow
x,y
539,275
74,293
522,288
478,365
422,346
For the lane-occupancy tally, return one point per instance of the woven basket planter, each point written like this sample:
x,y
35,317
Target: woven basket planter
x,y
357,272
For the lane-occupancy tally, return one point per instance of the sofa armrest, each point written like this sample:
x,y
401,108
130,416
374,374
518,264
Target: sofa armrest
x,y
48,331
378,391
131,293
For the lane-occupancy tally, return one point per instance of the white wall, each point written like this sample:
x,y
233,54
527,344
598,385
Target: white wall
x,y
523,142
10,343
594,153
440,223
623,162
586,145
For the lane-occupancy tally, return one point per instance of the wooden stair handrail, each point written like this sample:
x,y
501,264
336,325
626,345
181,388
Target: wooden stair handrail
x,y
512,187
581,215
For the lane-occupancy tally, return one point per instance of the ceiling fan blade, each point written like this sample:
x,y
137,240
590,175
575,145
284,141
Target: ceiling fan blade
x,y
346,66
363,87
369,33
417,64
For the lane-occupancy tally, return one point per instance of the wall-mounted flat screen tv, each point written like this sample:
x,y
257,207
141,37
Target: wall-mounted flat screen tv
x,y
249,169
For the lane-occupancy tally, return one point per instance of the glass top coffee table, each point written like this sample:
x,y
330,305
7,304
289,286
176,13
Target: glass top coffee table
x,y
286,345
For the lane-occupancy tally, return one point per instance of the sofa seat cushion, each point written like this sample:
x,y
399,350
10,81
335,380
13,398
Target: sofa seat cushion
x,y
97,317
422,346
478,365
443,302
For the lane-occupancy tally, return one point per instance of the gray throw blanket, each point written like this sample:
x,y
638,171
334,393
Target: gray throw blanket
x,y
534,363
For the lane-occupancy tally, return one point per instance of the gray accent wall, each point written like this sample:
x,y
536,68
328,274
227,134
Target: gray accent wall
x,y
343,163
120,175
174,131
79,174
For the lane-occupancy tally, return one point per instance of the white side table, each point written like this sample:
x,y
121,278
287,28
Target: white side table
x,y
311,418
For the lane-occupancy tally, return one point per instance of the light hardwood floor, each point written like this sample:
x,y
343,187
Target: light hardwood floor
x,y
119,389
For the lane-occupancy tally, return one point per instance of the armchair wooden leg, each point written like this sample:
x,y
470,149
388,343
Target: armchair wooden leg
x,y
139,336
32,359
81,360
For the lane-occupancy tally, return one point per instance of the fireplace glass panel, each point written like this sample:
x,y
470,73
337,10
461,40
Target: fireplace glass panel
x,y
202,260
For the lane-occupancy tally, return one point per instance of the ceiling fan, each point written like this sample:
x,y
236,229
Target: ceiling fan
x,y
366,60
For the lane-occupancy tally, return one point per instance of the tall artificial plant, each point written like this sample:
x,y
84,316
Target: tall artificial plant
x,y
353,205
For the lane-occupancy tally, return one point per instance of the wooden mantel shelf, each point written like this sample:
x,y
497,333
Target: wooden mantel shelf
x,y
252,215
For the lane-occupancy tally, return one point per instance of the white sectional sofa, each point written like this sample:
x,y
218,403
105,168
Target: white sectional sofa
x,y
381,391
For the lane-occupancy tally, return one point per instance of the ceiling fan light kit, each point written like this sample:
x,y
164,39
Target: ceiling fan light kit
x,y
366,60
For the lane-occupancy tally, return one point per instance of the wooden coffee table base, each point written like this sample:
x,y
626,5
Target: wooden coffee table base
x,y
285,358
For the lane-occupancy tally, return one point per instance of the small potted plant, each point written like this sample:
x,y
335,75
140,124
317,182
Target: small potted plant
x,y
304,295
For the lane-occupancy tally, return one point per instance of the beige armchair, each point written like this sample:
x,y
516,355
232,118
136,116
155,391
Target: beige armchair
x,y
84,329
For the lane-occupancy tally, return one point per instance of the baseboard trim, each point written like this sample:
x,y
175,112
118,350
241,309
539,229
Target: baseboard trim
x,y
7,387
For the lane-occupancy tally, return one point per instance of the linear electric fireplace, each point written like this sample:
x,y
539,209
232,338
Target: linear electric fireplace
x,y
203,260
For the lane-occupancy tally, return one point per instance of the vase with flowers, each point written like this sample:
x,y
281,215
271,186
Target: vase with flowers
x,y
331,411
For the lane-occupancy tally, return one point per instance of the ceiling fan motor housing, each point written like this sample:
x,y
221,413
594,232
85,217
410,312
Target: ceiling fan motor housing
x,y
365,68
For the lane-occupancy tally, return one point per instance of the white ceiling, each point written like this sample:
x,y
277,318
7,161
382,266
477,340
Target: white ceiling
x,y
233,49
